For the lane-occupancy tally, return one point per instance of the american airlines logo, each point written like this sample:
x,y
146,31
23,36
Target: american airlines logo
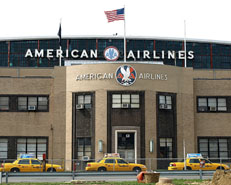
x,y
111,53
126,75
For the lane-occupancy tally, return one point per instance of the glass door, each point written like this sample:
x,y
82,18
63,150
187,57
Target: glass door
x,y
126,145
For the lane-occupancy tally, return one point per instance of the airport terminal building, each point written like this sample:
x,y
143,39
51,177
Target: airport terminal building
x,y
150,106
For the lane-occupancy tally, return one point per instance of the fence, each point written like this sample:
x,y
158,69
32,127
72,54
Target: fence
x,y
120,175
151,163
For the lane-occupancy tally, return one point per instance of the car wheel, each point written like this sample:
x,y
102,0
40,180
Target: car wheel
x,y
188,168
102,169
51,170
137,169
220,168
14,170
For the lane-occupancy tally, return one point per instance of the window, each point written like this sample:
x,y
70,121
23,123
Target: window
x,y
83,147
22,103
194,161
202,104
3,148
4,103
42,103
211,104
33,103
165,102
126,140
121,161
35,162
165,147
83,101
109,161
214,147
125,101
37,146
221,104
24,161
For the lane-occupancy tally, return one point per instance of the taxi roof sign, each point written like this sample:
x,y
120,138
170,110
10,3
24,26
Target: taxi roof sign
x,y
30,155
194,155
112,155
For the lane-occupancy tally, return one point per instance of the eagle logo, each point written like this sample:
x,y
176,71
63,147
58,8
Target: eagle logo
x,y
126,75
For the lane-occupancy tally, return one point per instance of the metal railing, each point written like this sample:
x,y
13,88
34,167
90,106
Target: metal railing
x,y
75,175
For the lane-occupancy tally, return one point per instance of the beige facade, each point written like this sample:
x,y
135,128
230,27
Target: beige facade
x,y
61,82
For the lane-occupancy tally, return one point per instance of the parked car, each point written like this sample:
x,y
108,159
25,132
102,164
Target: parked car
x,y
29,165
114,164
196,163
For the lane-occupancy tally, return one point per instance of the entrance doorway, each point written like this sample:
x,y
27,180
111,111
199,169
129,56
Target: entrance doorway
x,y
125,145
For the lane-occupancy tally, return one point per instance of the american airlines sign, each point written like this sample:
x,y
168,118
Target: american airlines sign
x,y
111,53
125,75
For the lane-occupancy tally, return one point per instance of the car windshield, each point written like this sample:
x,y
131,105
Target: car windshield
x,y
207,161
99,161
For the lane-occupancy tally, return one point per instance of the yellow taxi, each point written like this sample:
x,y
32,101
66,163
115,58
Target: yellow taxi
x,y
197,162
112,163
29,165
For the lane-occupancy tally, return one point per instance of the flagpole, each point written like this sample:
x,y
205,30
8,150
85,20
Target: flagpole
x,y
60,46
185,56
60,61
124,37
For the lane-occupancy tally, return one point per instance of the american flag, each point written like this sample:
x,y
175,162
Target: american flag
x,y
115,15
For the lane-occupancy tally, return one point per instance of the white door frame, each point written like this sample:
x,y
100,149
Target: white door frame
x,y
126,131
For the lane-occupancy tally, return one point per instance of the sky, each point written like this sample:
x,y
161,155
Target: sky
x,y
205,19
